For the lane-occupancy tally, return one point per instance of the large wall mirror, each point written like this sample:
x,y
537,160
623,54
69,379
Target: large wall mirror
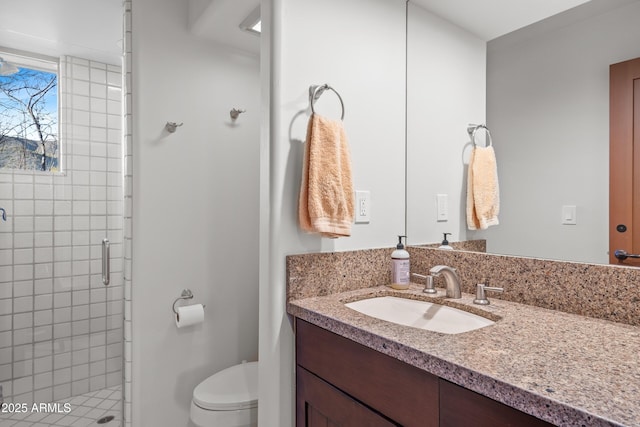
x,y
547,106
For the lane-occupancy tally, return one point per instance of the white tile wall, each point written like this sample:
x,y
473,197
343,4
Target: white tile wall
x,y
61,331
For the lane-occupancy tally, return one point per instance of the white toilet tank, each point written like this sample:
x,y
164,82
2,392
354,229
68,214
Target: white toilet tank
x,y
228,398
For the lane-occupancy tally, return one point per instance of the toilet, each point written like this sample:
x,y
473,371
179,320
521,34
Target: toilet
x,y
228,398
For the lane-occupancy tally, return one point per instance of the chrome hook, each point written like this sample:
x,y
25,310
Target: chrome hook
x,y
172,126
235,113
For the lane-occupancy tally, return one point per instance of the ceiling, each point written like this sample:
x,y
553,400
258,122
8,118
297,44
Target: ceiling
x,y
64,27
219,21
489,19
70,27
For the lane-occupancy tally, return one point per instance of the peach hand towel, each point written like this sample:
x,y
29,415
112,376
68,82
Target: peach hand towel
x,y
326,203
483,197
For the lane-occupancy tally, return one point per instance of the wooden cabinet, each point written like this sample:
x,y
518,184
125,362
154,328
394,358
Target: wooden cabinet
x,y
401,393
460,407
319,404
342,383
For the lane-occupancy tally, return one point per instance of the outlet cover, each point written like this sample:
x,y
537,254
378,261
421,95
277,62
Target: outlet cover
x,y
442,207
363,207
569,215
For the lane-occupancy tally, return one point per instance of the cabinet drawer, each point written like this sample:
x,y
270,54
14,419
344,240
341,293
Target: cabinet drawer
x,y
399,391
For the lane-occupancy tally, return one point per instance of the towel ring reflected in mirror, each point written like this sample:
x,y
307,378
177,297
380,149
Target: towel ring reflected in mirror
x,y
472,129
316,91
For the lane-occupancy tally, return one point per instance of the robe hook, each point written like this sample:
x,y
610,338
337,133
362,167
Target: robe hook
x,y
172,126
235,113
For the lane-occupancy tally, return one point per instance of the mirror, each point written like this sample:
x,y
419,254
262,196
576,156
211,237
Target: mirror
x,y
547,108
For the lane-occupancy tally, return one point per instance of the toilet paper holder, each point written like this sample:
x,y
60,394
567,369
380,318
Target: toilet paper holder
x,y
186,294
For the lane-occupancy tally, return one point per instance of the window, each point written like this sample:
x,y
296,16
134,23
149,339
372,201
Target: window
x,y
29,115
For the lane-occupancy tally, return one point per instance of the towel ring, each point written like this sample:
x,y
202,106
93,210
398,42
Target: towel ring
x,y
315,92
472,129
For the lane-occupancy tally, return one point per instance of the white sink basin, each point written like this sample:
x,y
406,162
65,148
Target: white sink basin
x,y
420,314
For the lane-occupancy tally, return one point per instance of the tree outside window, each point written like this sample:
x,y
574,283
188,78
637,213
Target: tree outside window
x,y
29,120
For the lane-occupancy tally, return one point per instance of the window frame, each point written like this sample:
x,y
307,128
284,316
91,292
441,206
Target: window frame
x,y
47,64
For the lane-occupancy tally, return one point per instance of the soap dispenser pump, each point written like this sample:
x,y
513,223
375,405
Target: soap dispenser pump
x,y
445,243
400,266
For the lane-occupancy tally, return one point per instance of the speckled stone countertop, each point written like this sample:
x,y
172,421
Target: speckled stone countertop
x,y
563,368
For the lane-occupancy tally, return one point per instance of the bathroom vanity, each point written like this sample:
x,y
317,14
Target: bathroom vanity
x,y
564,348
533,367
341,382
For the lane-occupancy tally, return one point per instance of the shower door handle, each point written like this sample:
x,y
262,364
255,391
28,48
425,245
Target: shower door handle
x,y
106,262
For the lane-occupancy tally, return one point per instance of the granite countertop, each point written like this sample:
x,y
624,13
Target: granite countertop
x,y
563,368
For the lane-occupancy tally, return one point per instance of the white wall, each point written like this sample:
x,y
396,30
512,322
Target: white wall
x,y
358,46
195,209
446,86
548,110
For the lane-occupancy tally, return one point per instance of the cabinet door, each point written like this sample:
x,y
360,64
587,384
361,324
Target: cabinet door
x,y
460,407
401,392
319,404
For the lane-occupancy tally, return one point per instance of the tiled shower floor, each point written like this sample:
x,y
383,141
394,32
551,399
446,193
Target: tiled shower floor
x,y
86,410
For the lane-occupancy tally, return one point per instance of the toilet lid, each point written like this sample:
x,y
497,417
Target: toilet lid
x,y
230,389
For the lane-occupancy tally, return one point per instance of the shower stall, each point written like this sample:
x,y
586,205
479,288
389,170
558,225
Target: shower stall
x,y
61,320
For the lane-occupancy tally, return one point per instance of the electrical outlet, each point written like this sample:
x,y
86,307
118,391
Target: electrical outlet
x,y
363,207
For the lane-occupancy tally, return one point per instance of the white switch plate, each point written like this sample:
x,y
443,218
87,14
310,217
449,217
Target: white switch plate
x,y
569,215
363,207
442,207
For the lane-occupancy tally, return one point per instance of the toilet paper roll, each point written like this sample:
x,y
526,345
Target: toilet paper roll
x,y
189,315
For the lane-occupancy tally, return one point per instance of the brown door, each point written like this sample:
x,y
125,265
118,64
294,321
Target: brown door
x,y
624,160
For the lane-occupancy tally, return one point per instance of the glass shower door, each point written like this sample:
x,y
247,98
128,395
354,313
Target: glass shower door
x,y
61,328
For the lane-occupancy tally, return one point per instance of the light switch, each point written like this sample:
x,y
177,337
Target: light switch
x,y
363,207
569,215
442,206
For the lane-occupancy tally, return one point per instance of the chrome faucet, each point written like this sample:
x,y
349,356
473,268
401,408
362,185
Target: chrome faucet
x,y
450,278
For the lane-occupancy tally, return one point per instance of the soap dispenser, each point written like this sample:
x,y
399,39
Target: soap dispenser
x,y
400,266
445,243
